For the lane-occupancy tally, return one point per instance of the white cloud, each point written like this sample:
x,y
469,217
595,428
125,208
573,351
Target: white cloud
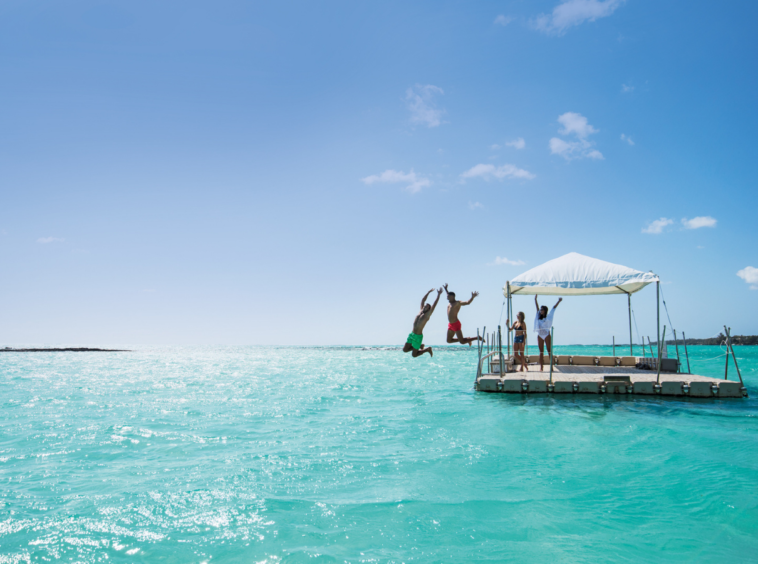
x,y
750,275
503,20
502,260
698,222
46,240
627,139
625,88
475,206
414,182
559,146
656,227
577,125
570,150
574,12
516,144
488,171
420,100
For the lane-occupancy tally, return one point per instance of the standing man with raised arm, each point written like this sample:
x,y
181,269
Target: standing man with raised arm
x,y
414,339
543,322
454,332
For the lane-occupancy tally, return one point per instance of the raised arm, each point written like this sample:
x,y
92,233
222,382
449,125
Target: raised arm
x,y
537,305
423,300
439,292
473,295
445,286
557,303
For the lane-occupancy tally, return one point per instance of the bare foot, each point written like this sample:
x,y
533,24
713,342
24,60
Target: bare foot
x,y
430,351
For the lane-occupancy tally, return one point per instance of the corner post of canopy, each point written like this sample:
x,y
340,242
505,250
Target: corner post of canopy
x,y
629,305
508,319
658,314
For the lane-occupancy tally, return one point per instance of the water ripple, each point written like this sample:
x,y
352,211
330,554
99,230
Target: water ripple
x,y
360,454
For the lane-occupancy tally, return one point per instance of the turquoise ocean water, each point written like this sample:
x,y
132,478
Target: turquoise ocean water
x,y
251,454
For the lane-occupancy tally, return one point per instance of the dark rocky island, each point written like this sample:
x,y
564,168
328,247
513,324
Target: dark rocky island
x,y
78,349
720,340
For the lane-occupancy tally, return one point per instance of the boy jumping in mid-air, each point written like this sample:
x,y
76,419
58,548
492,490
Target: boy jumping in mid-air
x,y
414,339
454,332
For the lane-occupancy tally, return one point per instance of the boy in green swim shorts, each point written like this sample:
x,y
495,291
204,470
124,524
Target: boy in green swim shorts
x,y
414,342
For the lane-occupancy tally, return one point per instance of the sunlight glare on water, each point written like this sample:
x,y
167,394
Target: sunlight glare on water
x,y
361,455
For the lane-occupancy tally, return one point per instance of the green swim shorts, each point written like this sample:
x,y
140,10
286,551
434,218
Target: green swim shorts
x,y
415,340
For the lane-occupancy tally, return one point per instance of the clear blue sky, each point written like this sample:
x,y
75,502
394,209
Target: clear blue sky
x,y
301,173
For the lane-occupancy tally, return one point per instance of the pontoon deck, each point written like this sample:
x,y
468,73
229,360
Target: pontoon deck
x,y
602,375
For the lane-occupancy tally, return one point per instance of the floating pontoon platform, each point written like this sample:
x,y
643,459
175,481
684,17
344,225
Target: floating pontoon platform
x,y
578,275
589,375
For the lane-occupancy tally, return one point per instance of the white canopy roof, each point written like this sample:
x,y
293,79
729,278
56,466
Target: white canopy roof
x,y
578,275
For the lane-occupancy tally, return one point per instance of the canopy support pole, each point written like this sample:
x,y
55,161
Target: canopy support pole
x,y
629,306
552,344
500,349
614,345
510,333
508,337
658,315
658,379
629,303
